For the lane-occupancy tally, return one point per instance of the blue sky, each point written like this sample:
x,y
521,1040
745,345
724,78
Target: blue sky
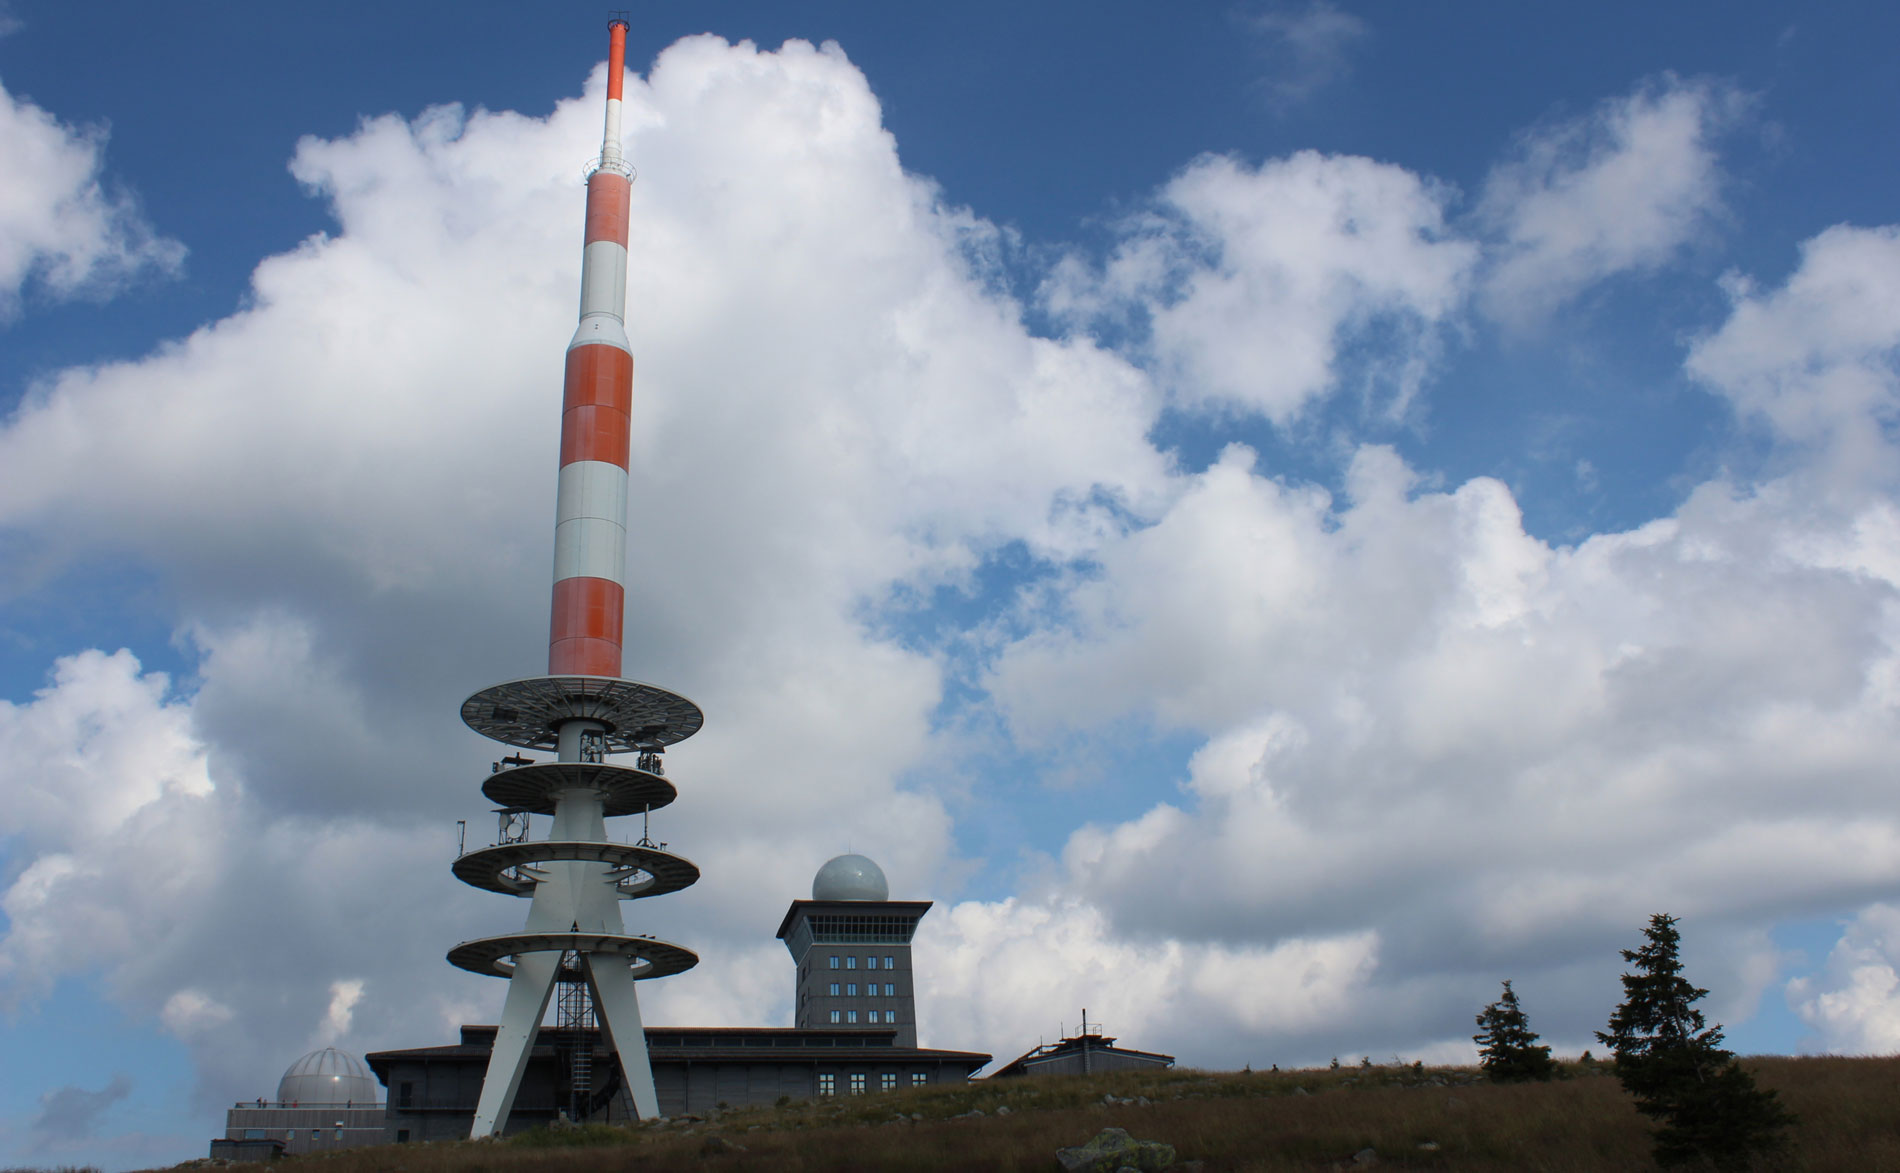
x,y
1276,517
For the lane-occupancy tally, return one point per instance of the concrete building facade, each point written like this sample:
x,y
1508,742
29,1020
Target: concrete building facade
x,y
850,946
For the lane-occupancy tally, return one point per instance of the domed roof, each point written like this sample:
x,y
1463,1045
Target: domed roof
x,y
329,1076
850,877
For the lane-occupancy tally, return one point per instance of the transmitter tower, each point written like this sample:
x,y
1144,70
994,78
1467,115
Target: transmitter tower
x,y
584,712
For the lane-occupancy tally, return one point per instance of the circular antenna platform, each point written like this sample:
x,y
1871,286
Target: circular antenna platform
x,y
623,790
528,713
643,870
649,958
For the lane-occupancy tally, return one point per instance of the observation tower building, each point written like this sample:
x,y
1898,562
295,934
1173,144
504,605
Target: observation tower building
x,y
583,712
851,937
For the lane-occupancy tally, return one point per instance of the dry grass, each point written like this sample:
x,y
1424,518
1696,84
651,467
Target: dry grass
x,y
1230,1121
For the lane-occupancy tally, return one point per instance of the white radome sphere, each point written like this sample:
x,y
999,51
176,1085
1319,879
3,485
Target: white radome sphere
x,y
850,877
329,1076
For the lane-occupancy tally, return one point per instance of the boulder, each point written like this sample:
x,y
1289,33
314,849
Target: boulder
x,y
1113,1149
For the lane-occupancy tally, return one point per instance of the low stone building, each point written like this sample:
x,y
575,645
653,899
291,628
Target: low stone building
x,y
433,1090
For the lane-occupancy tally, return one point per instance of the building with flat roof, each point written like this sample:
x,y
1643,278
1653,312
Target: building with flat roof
x,y
433,1090
854,1033
1087,1052
850,944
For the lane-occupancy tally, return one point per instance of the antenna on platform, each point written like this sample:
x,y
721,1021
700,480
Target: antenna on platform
x,y
583,711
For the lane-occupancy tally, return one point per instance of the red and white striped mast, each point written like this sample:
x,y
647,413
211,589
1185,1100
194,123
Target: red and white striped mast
x,y
590,528
583,711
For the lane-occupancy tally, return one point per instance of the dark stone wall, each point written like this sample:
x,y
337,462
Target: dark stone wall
x,y
443,1093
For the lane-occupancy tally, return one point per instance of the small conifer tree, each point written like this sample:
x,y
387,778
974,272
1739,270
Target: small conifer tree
x,y
1508,1051
1676,1068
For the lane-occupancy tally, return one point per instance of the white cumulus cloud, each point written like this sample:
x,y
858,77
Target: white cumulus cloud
x,y
1253,280
61,225
1816,358
1495,755
1853,1004
1621,189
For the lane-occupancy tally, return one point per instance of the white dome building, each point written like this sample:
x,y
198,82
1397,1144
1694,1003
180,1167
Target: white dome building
x,y
328,1099
850,877
329,1076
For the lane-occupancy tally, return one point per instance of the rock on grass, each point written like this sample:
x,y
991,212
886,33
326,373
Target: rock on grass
x,y
1113,1149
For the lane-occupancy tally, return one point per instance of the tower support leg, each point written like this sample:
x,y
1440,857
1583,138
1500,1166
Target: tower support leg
x,y
618,1005
528,992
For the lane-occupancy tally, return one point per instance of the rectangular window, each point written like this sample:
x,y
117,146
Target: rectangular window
x,y
870,963
857,1083
851,1017
919,1078
834,989
890,989
408,1090
851,962
851,989
887,1082
835,1014
402,1136
890,1016
827,1082
834,963
889,963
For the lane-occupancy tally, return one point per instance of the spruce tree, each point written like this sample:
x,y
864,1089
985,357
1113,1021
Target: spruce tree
x,y
1507,1046
1674,1064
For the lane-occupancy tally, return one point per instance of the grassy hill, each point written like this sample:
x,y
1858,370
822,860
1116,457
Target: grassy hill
x,y
1411,1117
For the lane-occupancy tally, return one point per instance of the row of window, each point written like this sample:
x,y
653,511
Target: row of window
x,y
858,929
851,962
851,1016
870,989
886,1082
289,1134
